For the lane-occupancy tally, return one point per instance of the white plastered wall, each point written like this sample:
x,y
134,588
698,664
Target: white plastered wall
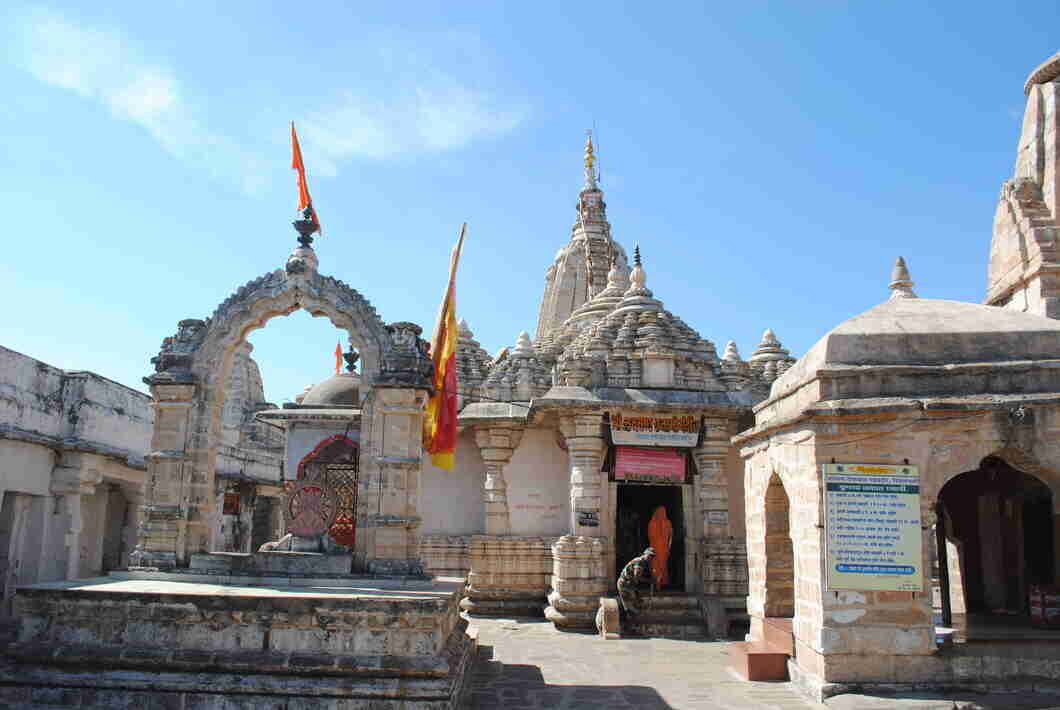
x,y
451,501
538,479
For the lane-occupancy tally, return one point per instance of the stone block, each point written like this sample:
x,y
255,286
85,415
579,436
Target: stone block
x,y
608,622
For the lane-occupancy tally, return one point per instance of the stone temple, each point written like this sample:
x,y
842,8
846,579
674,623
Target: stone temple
x,y
881,512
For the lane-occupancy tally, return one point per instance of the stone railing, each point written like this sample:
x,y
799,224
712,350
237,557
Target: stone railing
x,y
509,575
446,555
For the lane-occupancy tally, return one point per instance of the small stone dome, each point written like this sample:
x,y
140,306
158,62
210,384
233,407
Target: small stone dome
x,y
906,330
341,389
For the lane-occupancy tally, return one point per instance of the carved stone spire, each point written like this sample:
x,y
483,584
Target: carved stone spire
x,y
523,346
638,297
901,284
579,271
769,360
732,354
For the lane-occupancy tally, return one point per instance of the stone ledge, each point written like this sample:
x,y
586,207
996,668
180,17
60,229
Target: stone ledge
x,y
1043,73
191,660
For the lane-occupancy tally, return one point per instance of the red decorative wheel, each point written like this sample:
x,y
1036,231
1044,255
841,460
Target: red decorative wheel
x,y
311,509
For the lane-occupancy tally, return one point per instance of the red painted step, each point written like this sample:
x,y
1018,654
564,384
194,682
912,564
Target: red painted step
x,y
755,660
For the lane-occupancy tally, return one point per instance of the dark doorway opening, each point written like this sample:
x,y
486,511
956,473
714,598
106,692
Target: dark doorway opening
x,y
636,505
996,541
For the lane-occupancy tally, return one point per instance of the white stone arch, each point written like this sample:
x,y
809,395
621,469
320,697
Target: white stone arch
x,y
189,391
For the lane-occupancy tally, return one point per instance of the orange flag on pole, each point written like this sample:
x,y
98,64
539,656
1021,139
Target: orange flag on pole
x,y
304,200
439,424
338,358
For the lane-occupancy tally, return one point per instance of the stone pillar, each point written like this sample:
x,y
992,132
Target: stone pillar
x,y
578,581
395,446
497,443
723,567
161,540
71,480
713,481
579,560
585,447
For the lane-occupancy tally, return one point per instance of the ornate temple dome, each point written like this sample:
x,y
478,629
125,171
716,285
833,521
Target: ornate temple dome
x,y
518,374
472,365
341,390
636,342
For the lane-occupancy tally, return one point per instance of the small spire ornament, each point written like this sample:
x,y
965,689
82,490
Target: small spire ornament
x,y
901,285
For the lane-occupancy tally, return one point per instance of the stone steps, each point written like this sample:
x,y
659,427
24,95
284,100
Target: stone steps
x,y
667,626
675,616
766,658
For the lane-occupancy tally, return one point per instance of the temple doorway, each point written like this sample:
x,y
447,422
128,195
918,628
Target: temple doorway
x,y
996,542
637,503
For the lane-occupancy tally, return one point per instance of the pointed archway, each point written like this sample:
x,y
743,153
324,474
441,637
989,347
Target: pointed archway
x,y
996,540
780,553
189,394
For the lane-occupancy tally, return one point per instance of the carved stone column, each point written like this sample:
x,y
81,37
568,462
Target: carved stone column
x,y
579,572
585,447
713,483
394,412
497,443
578,581
161,540
723,566
391,528
71,480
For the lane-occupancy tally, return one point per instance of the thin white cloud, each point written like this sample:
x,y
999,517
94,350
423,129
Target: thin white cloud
x,y
414,108
408,121
101,65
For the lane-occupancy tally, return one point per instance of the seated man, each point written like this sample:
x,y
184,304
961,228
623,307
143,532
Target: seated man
x,y
636,572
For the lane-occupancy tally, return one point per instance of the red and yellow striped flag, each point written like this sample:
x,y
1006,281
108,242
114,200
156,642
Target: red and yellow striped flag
x,y
338,358
439,424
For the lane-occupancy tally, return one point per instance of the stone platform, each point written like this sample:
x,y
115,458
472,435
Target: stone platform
x,y
156,640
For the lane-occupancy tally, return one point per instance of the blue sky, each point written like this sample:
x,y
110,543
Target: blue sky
x,y
771,159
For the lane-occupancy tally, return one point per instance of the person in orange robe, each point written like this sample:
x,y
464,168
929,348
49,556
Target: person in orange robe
x,y
660,536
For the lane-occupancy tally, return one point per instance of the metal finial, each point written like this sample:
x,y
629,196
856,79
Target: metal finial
x,y
305,227
590,161
636,255
351,357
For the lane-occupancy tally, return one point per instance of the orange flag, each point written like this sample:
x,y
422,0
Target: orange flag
x,y
304,200
439,423
338,358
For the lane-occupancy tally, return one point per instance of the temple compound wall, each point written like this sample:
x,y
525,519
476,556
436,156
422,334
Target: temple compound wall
x,y
73,448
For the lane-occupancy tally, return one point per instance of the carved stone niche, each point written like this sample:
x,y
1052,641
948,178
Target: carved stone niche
x,y
406,358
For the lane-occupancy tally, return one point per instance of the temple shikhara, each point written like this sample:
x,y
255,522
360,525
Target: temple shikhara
x,y
881,511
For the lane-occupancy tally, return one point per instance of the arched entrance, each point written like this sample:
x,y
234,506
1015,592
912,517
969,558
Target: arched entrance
x,y
780,553
996,540
188,388
334,464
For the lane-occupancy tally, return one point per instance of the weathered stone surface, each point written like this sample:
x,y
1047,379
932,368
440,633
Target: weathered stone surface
x,y
378,644
305,563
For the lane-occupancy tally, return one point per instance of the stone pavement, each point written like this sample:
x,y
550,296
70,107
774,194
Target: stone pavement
x,y
525,664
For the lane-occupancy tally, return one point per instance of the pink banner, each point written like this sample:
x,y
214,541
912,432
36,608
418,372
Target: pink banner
x,y
634,463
